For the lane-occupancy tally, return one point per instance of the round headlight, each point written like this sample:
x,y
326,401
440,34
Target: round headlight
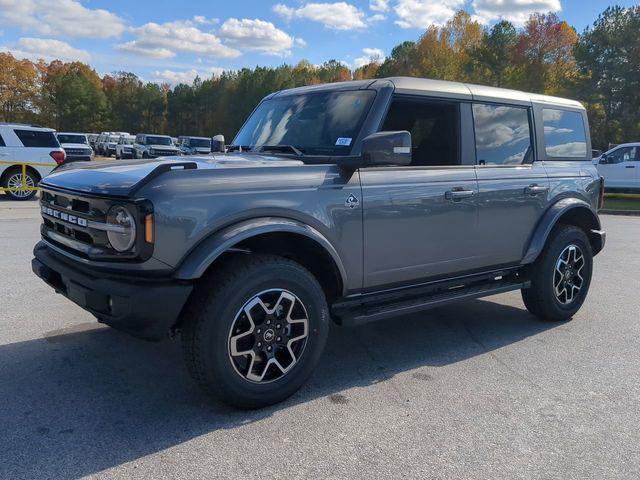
x,y
124,236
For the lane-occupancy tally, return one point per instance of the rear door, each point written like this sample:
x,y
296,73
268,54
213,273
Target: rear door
x,y
420,221
513,190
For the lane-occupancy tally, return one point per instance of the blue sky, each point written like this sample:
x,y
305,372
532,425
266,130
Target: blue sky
x,y
162,40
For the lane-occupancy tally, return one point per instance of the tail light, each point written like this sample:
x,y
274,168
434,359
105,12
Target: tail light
x,y
58,156
601,194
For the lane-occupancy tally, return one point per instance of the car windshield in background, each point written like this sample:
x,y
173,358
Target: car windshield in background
x,y
200,142
114,138
127,141
323,123
63,138
159,141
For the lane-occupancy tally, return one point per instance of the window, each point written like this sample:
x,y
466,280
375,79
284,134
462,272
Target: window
x,y
37,138
70,138
2,144
503,134
623,154
564,135
434,128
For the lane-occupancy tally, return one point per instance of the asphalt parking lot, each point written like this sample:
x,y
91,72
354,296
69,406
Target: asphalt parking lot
x,y
479,390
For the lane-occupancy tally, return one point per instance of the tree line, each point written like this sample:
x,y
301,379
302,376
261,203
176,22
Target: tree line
x,y
600,67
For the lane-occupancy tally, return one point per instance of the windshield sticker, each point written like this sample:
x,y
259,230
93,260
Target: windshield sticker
x,y
343,142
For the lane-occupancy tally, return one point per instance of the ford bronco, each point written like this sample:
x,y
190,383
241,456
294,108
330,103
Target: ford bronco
x,y
344,203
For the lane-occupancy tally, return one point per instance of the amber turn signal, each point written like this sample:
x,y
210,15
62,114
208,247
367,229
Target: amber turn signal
x,y
148,228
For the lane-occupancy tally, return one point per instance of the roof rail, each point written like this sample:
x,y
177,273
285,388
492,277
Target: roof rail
x,y
16,124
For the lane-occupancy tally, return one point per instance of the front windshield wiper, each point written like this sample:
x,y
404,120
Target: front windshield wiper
x,y
239,148
281,148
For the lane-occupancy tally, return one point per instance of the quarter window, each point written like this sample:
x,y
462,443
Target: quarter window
x,y
2,144
564,134
503,134
36,138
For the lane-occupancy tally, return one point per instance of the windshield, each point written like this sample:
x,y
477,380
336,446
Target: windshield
x,y
114,138
65,138
159,141
200,143
127,140
323,123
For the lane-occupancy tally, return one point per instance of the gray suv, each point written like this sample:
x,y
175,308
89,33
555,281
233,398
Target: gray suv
x,y
342,203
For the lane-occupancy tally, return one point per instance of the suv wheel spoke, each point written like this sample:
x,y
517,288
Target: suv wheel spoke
x,y
567,275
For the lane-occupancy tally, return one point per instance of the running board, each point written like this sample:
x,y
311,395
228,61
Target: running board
x,y
360,314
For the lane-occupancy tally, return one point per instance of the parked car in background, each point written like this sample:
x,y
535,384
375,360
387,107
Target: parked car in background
x,y
34,146
124,147
346,203
620,166
195,145
93,138
76,146
104,141
175,141
149,145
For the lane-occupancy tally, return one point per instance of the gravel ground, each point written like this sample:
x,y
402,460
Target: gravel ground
x,y
478,390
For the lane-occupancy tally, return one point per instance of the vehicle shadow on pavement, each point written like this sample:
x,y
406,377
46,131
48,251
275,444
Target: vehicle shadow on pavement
x,y
88,398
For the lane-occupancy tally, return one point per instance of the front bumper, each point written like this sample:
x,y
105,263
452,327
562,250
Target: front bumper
x,y
144,307
78,158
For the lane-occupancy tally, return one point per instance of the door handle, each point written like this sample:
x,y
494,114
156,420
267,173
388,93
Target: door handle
x,y
4,154
535,189
630,166
458,194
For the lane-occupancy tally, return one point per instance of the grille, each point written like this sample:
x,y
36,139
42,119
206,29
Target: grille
x,y
77,151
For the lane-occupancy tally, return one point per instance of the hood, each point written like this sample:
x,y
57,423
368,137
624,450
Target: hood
x,y
124,178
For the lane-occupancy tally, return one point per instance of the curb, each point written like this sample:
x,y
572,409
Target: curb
x,y
629,213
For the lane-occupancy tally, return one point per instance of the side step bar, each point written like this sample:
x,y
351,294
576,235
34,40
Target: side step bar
x,y
360,314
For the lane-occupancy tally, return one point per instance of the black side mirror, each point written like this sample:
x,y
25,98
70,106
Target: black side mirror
x,y
603,159
386,148
217,144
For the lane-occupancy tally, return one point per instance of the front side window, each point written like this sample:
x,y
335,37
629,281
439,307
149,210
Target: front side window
x,y
322,123
564,134
36,138
503,134
434,128
623,154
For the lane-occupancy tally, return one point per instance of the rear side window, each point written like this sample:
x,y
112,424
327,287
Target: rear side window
x,y
564,134
34,138
2,144
503,134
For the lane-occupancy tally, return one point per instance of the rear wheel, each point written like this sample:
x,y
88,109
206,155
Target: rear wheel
x,y
561,276
14,179
253,337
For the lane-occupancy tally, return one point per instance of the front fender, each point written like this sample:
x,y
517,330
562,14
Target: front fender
x,y
561,208
207,251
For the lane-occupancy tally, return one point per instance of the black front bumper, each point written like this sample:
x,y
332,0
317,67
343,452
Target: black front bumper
x,y
144,307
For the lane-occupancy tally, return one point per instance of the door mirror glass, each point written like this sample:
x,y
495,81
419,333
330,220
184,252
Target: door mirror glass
x,y
386,148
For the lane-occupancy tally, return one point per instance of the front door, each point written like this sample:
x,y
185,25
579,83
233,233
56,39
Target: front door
x,y
620,167
420,221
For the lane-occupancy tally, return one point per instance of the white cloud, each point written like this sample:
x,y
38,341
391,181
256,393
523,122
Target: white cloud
x,y
255,36
173,77
46,49
379,5
516,11
423,13
337,16
300,42
165,40
68,18
370,55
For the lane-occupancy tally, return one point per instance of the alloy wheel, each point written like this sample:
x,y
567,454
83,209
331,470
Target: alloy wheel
x,y
567,275
15,181
268,336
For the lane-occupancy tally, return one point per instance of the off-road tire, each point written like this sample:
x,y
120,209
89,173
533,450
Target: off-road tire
x,y
212,311
541,299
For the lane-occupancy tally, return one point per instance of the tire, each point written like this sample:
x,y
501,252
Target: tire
x,y
13,178
548,275
216,330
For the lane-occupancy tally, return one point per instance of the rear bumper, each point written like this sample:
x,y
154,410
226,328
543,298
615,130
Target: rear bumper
x,y
145,308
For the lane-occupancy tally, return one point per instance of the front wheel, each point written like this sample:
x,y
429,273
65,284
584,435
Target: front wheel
x,y
14,179
254,332
561,276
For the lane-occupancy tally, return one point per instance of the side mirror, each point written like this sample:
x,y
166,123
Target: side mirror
x,y
217,144
386,148
603,159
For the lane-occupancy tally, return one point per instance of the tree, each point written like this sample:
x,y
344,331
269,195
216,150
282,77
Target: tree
x,y
608,57
19,88
491,60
